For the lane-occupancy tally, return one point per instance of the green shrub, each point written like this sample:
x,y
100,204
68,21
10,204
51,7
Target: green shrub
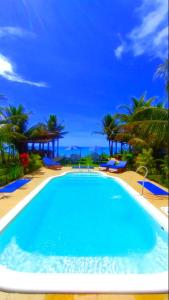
x,y
165,166
86,161
3,175
104,157
35,162
10,172
145,158
129,157
160,178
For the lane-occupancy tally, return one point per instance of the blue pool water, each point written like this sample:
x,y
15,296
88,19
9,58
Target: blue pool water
x,y
84,222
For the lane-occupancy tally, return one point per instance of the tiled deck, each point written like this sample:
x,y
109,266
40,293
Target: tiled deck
x,y
10,200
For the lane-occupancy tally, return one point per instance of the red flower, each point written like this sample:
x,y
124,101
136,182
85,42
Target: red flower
x,y
24,159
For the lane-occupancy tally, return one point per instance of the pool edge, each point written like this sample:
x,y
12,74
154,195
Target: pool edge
x,y
83,283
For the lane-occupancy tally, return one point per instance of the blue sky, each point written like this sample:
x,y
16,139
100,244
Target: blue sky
x,y
81,59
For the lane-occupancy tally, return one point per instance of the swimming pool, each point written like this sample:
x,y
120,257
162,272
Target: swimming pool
x,y
84,232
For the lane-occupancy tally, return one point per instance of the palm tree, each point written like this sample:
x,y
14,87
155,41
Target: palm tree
x,y
162,72
127,132
109,128
148,127
38,130
17,118
7,135
152,122
136,104
57,129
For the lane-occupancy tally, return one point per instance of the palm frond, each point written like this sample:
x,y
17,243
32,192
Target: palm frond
x,y
137,142
127,107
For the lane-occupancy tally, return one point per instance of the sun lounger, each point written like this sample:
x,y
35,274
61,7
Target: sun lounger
x,y
154,189
51,164
118,167
14,185
106,165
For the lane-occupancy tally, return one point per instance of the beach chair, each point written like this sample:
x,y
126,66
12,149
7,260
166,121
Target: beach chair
x,y
118,167
12,187
153,188
51,164
106,166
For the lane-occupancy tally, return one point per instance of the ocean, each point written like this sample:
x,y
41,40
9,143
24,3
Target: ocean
x,y
85,151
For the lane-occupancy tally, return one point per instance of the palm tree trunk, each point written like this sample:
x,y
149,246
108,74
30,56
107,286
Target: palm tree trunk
x,y
116,147
57,147
112,146
48,151
2,156
9,153
53,148
109,147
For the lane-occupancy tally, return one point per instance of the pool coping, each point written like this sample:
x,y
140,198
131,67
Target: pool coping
x,y
15,281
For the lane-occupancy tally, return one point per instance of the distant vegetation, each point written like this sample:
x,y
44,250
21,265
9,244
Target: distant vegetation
x,y
14,136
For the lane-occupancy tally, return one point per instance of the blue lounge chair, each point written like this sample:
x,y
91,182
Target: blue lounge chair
x,y
51,164
118,167
109,163
154,189
14,185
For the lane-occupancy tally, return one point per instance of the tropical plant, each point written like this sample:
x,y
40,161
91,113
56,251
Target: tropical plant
x,y
165,166
16,119
38,130
57,129
8,135
151,126
162,72
145,158
14,136
127,131
35,162
136,105
129,157
16,116
110,129
10,172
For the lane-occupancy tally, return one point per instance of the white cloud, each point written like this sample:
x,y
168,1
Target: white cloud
x,y
7,71
151,35
6,66
14,31
119,51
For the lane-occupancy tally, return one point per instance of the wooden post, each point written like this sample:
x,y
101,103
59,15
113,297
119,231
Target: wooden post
x,y
57,153
122,147
116,147
48,150
112,148
53,148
